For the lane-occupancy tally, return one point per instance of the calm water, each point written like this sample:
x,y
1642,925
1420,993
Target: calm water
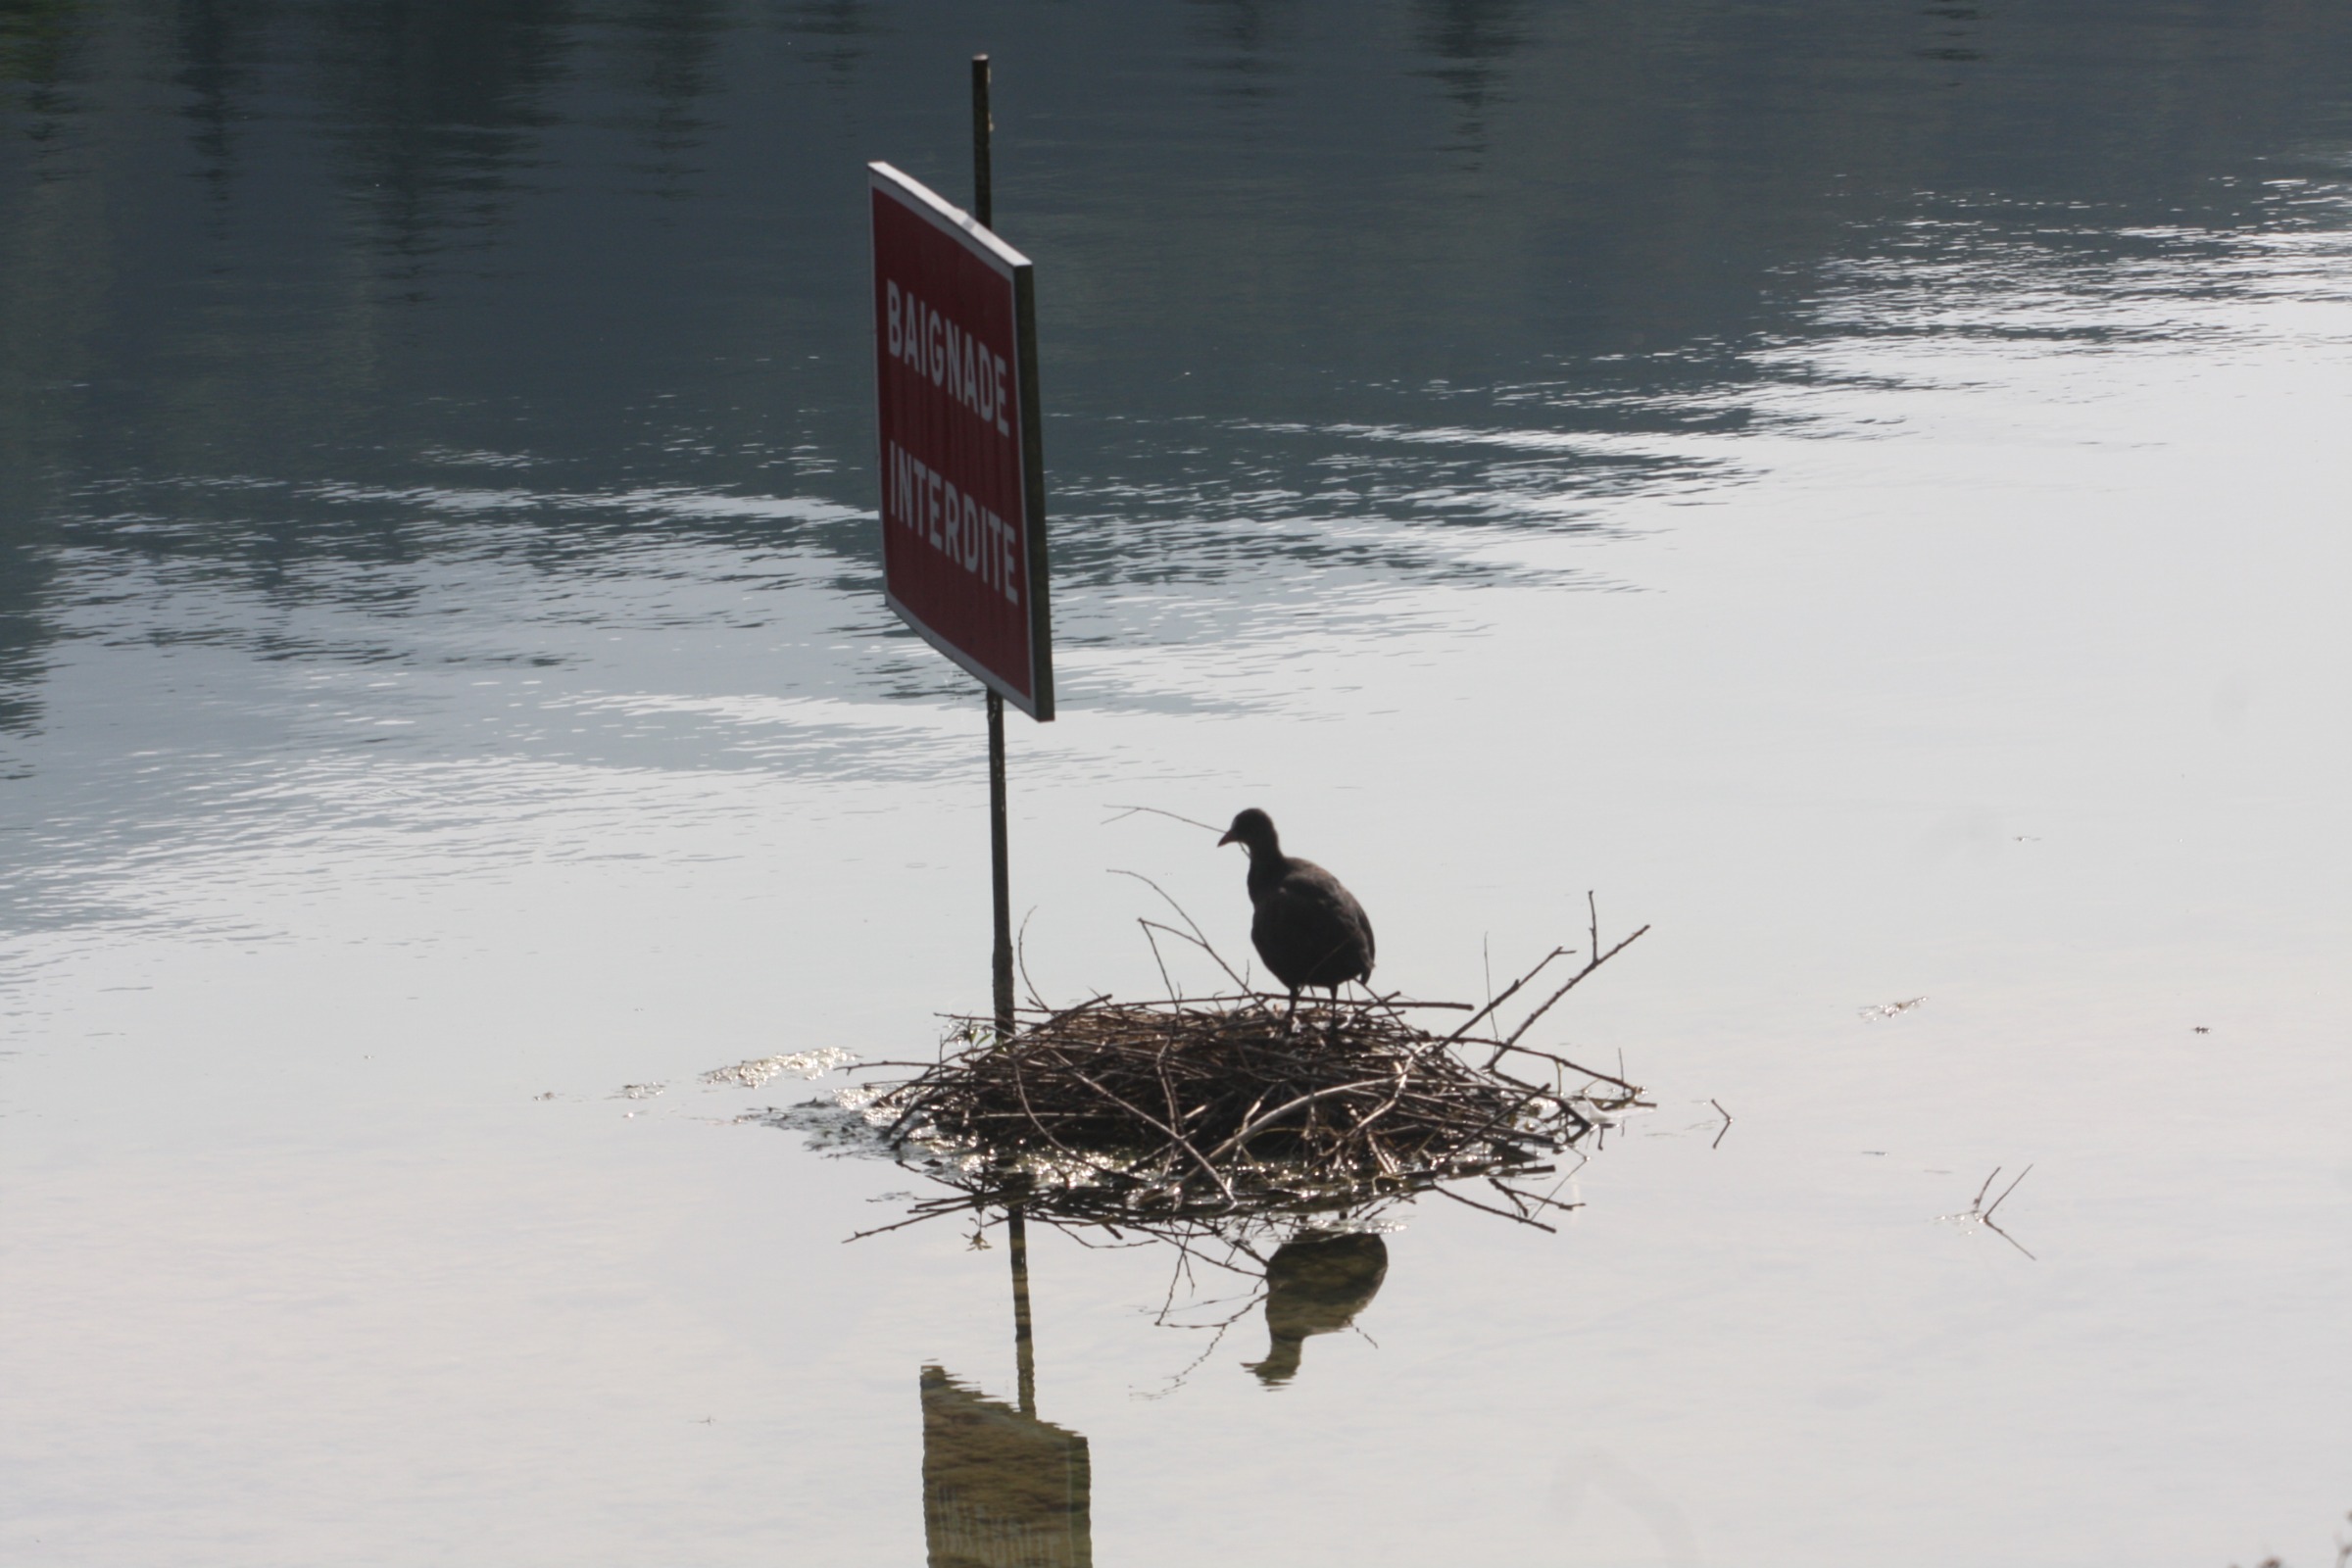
x,y
1862,487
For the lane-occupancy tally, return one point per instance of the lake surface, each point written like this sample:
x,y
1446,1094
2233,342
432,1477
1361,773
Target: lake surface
x,y
1860,488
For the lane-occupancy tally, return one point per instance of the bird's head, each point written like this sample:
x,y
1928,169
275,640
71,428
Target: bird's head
x,y
1253,830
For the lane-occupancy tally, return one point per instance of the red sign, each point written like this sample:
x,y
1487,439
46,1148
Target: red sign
x,y
964,525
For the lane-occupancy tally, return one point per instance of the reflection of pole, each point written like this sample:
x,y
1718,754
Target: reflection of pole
x,y
1024,1346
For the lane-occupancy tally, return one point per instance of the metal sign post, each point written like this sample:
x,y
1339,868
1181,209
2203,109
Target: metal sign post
x,y
964,525
1016,1224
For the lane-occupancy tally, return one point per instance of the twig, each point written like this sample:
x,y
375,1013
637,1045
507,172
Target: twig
x,y
1578,978
1067,1013
2005,1192
1279,1112
913,1219
1126,811
1447,1191
1161,962
1174,1137
1576,1066
1982,1215
1367,1108
1020,956
1198,935
1508,992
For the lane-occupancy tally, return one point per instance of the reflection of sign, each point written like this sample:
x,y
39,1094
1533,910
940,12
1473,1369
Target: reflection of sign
x,y
963,533
1000,1490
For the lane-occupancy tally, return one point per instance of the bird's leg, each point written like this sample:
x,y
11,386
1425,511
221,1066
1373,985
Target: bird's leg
x,y
1290,1020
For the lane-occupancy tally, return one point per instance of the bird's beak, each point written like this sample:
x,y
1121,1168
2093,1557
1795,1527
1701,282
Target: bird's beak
x,y
1227,839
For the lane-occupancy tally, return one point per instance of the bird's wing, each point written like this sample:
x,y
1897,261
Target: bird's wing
x,y
1318,901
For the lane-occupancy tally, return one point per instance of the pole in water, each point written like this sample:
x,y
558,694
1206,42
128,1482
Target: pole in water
x,y
1000,867
1000,859
1016,1227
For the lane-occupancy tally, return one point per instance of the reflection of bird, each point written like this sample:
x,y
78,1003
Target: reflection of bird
x,y
1316,1284
1308,928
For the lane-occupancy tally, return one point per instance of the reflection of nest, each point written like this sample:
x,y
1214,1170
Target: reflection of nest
x,y
1202,1114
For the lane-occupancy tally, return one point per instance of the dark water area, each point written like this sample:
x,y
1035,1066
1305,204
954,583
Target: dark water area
x,y
1860,485
275,270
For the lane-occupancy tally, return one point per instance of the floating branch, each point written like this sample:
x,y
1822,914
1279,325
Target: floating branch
x,y
1980,1213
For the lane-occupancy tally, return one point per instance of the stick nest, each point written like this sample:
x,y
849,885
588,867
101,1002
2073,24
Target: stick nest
x,y
1181,1115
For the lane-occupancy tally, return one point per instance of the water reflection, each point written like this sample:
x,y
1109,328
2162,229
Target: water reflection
x,y
1296,354
219,47
671,56
841,29
1316,1284
439,110
1468,40
1002,1489
613,373
36,39
1249,40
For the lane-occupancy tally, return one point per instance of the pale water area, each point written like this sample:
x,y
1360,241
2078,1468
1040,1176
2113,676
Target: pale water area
x,y
1860,488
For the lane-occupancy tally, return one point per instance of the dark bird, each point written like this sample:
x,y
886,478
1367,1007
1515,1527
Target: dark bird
x,y
1308,928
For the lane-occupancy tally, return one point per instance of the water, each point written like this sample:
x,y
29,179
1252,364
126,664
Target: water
x,y
1857,487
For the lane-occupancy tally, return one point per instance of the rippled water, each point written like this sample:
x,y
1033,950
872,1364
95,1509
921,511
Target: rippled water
x,y
1860,488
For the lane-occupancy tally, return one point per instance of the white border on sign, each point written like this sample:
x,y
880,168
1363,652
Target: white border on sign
x,y
949,216
971,666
